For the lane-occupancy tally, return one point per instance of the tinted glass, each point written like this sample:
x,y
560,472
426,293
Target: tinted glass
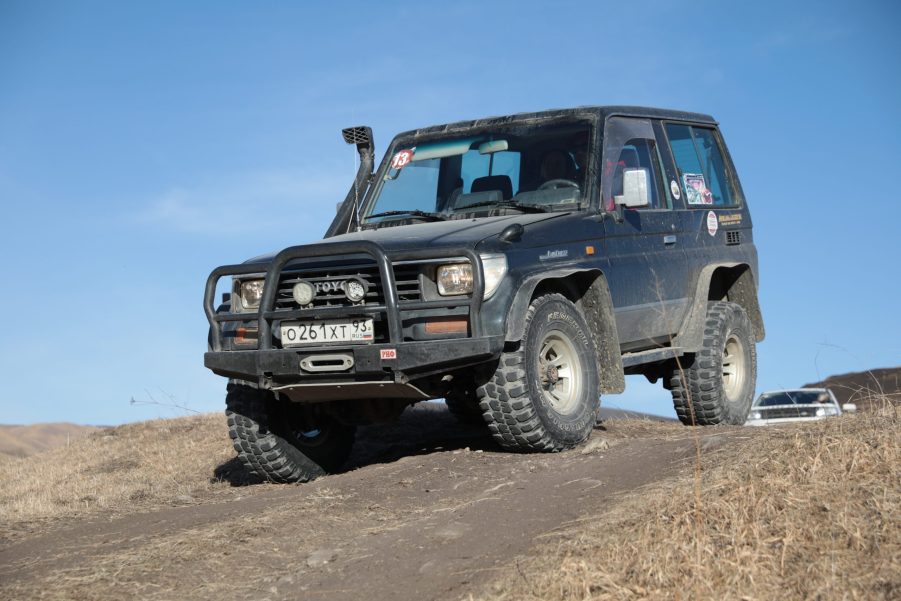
x,y
638,152
544,166
793,398
476,165
701,166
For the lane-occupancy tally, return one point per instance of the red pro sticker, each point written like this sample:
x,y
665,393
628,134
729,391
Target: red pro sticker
x,y
388,353
402,159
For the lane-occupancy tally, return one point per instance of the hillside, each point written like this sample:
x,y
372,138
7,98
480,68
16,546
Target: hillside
x,y
22,441
867,389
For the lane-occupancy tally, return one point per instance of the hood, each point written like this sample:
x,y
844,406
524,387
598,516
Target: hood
x,y
439,234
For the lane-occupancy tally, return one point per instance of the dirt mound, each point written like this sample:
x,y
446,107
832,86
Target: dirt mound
x,y
867,389
429,509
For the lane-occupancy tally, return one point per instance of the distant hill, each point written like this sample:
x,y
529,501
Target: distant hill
x,y
22,441
866,388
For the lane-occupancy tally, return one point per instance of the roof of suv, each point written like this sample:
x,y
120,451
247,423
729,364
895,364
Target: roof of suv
x,y
602,111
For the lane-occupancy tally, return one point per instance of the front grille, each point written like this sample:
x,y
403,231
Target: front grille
x,y
328,279
407,284
779,412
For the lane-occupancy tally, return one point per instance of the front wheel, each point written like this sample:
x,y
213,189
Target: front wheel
x,y
544,394
716,384
284,441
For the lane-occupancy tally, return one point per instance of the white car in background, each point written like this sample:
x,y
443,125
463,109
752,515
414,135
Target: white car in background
x,y
799,405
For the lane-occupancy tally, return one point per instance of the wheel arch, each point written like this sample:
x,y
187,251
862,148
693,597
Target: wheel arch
x,y
588,290
732,282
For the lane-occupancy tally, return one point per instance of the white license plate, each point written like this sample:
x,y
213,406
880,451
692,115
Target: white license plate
x,y
326,330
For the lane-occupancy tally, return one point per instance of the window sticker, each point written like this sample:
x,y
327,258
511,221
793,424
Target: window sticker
x,y
674,188
402,159
696,192
713,223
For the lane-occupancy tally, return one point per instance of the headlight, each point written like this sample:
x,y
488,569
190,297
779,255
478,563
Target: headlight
x,y
251,292
755,415
456,278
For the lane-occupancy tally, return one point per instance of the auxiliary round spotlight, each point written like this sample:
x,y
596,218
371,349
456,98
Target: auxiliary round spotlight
x,y
303,293
355,290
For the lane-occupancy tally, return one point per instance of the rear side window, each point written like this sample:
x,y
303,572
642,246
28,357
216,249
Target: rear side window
x,y
701,166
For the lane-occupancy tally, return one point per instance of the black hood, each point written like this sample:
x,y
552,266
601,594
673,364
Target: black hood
x,y
440,234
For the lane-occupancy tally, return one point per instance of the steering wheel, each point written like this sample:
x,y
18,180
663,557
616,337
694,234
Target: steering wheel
x,y
556,184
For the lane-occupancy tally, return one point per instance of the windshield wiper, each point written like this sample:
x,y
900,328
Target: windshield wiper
x,y
411,212
512,204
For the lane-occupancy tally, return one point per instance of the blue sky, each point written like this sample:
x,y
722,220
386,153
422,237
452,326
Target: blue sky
x,y
142,144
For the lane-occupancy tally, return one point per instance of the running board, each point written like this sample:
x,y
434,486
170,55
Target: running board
x,y
651,356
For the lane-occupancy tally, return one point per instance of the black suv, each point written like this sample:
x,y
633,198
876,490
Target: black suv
x,y
516,266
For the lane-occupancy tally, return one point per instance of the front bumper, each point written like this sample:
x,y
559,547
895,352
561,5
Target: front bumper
x,y
400,362
786,420
387,368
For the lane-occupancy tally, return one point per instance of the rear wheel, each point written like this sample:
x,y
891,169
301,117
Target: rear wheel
x,y
283,441
544,394
716,385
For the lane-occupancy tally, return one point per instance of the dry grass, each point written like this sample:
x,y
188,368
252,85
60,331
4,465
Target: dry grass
x,y
807,511
117,469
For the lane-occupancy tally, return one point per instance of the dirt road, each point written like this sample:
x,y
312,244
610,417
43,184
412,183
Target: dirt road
x,y
428,510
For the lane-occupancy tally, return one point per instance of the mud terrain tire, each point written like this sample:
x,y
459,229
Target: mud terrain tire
x,y
272,441
716,384
543,395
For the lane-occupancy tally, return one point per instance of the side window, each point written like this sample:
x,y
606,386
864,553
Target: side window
x,y
630,144
642,153
702,169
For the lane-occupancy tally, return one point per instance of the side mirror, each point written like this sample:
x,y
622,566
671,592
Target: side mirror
x,y
636,182
849,408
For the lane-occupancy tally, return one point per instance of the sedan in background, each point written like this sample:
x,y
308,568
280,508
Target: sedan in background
x,y
800,405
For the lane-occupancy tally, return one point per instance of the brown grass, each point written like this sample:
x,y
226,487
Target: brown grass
x,y
806,511
116,469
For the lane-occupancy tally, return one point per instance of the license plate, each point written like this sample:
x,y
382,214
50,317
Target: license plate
x,y
326,330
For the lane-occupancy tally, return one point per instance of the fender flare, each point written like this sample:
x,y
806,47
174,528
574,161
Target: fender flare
x,y
743,291
591,295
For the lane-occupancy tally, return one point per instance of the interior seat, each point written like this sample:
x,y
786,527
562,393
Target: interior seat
x,y
501,183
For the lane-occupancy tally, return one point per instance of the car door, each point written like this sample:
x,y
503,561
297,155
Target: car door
x,y
647,270
711,197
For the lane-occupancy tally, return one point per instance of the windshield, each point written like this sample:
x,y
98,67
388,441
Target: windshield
x,y
517,169
795,397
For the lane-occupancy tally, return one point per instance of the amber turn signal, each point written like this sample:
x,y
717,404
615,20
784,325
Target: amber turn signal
x,y
246,336
447,325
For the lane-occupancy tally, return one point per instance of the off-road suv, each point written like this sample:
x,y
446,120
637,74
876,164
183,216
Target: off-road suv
x,y
516,266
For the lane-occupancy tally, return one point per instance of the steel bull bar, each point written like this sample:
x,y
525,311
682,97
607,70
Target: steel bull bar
x,y
411,355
